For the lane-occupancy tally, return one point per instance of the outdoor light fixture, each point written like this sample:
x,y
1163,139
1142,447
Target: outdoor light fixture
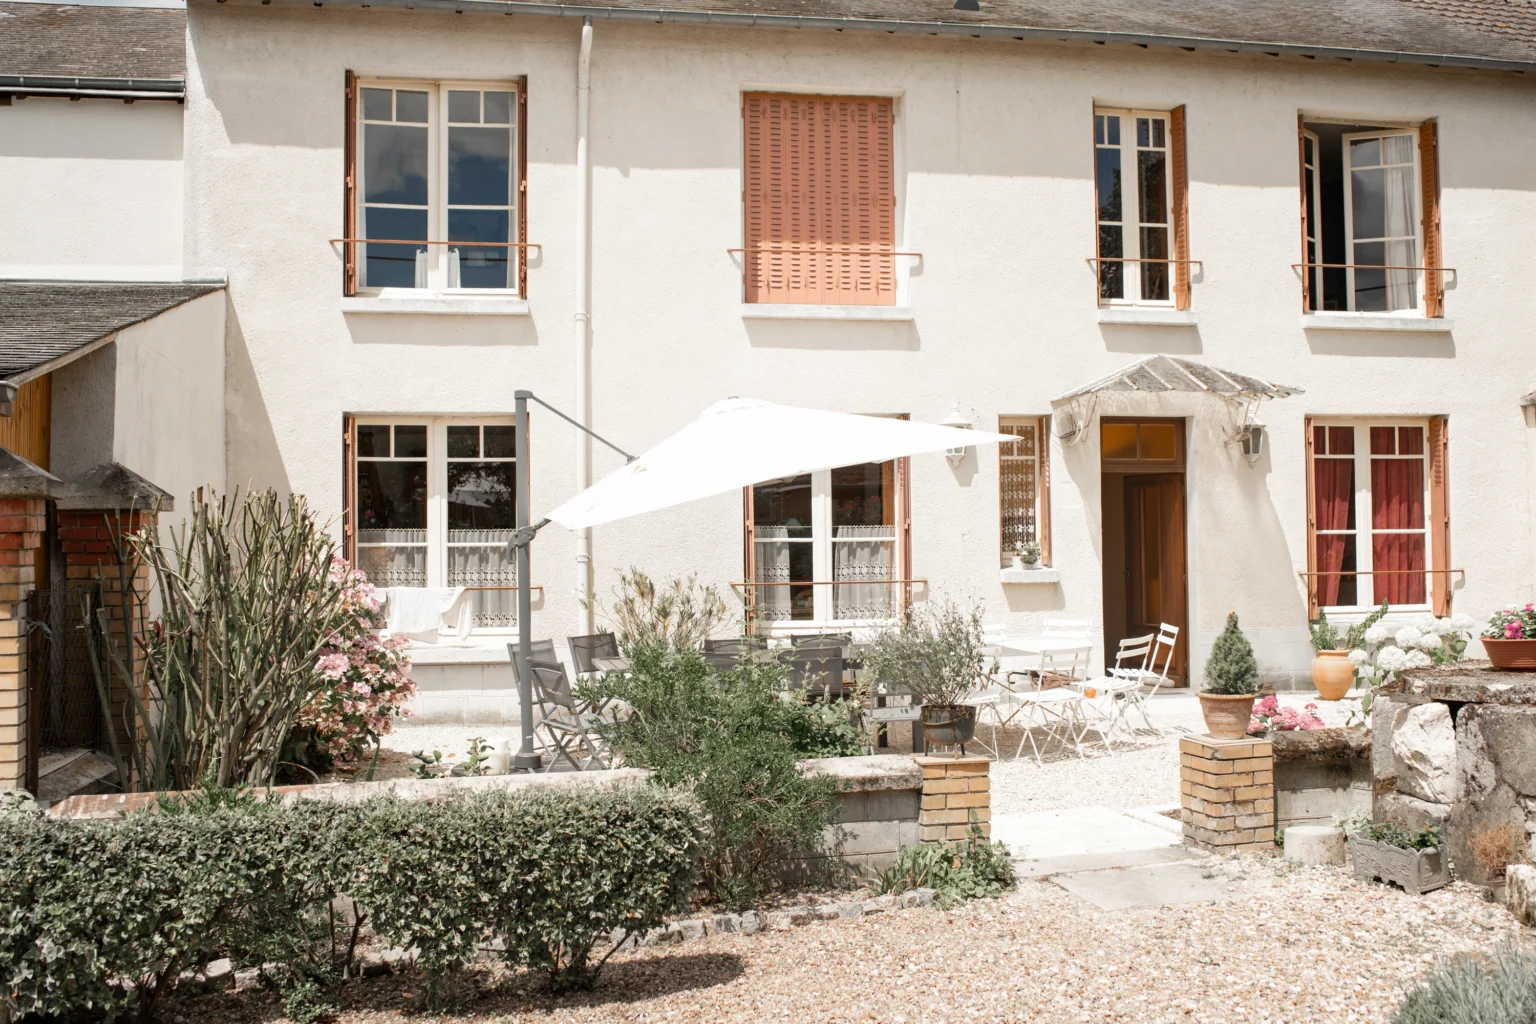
x,y
1253,442
955,418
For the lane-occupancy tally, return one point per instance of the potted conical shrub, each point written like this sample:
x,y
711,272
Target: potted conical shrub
x,y
1231,683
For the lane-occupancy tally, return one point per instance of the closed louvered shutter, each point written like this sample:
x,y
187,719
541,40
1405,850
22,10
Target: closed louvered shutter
x,y
819,200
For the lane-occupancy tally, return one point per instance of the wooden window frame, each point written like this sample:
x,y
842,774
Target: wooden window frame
x,y
437,190
1436,512
1180,294
1042,425
797,254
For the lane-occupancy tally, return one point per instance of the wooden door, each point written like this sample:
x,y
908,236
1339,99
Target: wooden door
x,y
1155,560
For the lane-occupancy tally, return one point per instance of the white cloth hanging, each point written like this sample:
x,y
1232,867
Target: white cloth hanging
x,y
436,610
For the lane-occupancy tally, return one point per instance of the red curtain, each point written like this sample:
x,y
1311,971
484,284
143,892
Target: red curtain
x,y
1397,503
1333,490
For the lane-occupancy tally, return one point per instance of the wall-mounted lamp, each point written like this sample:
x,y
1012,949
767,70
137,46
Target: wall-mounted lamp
x,y
1252,442
955,418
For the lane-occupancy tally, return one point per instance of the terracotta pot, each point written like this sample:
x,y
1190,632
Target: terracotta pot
x,y
1227,715
1516,655
1332,674
948,726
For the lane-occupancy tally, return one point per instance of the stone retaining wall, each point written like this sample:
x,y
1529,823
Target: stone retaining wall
x,y
1320,773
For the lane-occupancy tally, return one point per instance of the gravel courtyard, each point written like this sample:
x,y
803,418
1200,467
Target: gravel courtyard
x,y
1287,946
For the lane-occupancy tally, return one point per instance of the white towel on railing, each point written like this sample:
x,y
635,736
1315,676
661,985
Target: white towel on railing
x,y
438,610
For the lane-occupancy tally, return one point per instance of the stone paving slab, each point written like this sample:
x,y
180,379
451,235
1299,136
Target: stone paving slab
x,y
1082,838
1150,885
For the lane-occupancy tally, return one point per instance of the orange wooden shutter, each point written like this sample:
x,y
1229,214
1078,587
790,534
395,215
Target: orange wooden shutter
x,y
1180,170
349,489
1043,488
1306,272
521,255
349,191
1311,522
1439,517
1429,185
819,200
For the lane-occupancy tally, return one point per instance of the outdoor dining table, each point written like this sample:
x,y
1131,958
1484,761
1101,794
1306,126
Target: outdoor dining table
x,y
1036,644
611,664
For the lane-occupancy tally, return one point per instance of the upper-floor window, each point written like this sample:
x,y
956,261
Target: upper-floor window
x,y
819,199
1370,219
435,186
1142,199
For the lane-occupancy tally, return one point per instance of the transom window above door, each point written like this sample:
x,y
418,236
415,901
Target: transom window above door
x,y
435,187
1141,197
433,505
829,546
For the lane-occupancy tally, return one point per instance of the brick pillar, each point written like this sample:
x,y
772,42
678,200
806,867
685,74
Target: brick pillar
x,y
22,524
1228,789
88,542
953,788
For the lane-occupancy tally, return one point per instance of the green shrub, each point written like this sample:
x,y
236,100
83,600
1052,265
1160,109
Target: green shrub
x,y
938,654
731,738
1325,635
969,869
1393,834
1231,669
98,917
1473,990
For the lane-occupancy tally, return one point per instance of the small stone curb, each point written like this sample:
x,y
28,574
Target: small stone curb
x,y
781,919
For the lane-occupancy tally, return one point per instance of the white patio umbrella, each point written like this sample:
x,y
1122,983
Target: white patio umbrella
x,y
742,441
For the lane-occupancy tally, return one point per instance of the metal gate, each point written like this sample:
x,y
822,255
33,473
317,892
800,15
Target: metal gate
x,y
64,706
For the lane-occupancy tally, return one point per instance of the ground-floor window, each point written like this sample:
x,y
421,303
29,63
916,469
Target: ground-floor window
x,y
1023,480
828,546
431,503
1378,517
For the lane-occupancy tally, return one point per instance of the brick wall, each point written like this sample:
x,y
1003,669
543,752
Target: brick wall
x,y
1228,792
954,789
22,523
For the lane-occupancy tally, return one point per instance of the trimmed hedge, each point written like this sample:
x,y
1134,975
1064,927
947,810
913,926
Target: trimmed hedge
x,y
99,917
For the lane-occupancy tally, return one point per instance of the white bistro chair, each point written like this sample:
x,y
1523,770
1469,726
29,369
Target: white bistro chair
x,y
1119,689
1153,673
1054,706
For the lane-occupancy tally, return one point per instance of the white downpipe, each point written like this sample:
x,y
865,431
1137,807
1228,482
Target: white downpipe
x,y
584,317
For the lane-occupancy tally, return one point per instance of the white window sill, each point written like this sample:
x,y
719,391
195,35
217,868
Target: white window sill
x,y
1044,574
436,303
1161,316
784,311
1375,322
478,650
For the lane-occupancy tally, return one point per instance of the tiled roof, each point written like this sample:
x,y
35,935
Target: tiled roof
x,y
43,320
65,41
1496,32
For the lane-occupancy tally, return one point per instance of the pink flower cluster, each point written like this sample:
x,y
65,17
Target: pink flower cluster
x,y
1269,716
1512,624
367,673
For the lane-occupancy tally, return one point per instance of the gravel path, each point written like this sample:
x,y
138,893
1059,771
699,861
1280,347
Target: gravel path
x,y
1290,945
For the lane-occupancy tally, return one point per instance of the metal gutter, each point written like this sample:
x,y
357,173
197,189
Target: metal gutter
x,y
672,16
111,88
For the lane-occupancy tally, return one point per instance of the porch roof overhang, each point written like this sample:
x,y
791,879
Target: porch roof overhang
x,y
1163,373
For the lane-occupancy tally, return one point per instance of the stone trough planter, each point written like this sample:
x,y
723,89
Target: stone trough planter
x,y
1417,871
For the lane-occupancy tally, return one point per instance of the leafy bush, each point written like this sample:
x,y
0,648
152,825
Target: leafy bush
x,y
732,739
682,614
969,869
97,918
1500,989
1231,669
937,654
1355,638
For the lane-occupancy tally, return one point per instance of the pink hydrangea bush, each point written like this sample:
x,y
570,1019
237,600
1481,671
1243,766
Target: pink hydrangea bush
x,y
366,685
1269,716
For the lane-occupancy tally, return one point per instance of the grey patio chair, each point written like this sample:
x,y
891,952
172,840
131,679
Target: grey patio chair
x,y
538,650
569,728
814,670
585,649
735,645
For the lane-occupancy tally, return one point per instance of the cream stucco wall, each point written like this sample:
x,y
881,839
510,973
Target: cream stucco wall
x,y
93,189
994,167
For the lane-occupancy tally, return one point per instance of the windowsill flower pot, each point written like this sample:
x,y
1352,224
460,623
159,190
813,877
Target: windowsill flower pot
x,y
1231,684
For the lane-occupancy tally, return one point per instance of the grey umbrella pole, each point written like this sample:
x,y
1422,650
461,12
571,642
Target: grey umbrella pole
x,y
526,758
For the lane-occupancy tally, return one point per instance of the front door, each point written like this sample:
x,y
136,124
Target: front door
x,y
1154,560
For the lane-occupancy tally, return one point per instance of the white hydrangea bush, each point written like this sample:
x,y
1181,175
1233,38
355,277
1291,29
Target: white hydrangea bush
x,y
1386,652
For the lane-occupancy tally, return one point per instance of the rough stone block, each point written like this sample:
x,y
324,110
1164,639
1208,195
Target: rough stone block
x,y
1520,892
1410,812
1424,752
752,921
725,924
879,904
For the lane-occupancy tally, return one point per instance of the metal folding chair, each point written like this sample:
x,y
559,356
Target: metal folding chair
x,y
1116,687
1154,673
538,650
1055,706
584,649
815,669
569,728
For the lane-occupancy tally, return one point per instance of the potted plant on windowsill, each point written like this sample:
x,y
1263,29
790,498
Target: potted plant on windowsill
x,y
1231,684
1332,671
1510,639
938,656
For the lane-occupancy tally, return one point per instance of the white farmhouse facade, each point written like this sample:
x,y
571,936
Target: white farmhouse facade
x,y
911,216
